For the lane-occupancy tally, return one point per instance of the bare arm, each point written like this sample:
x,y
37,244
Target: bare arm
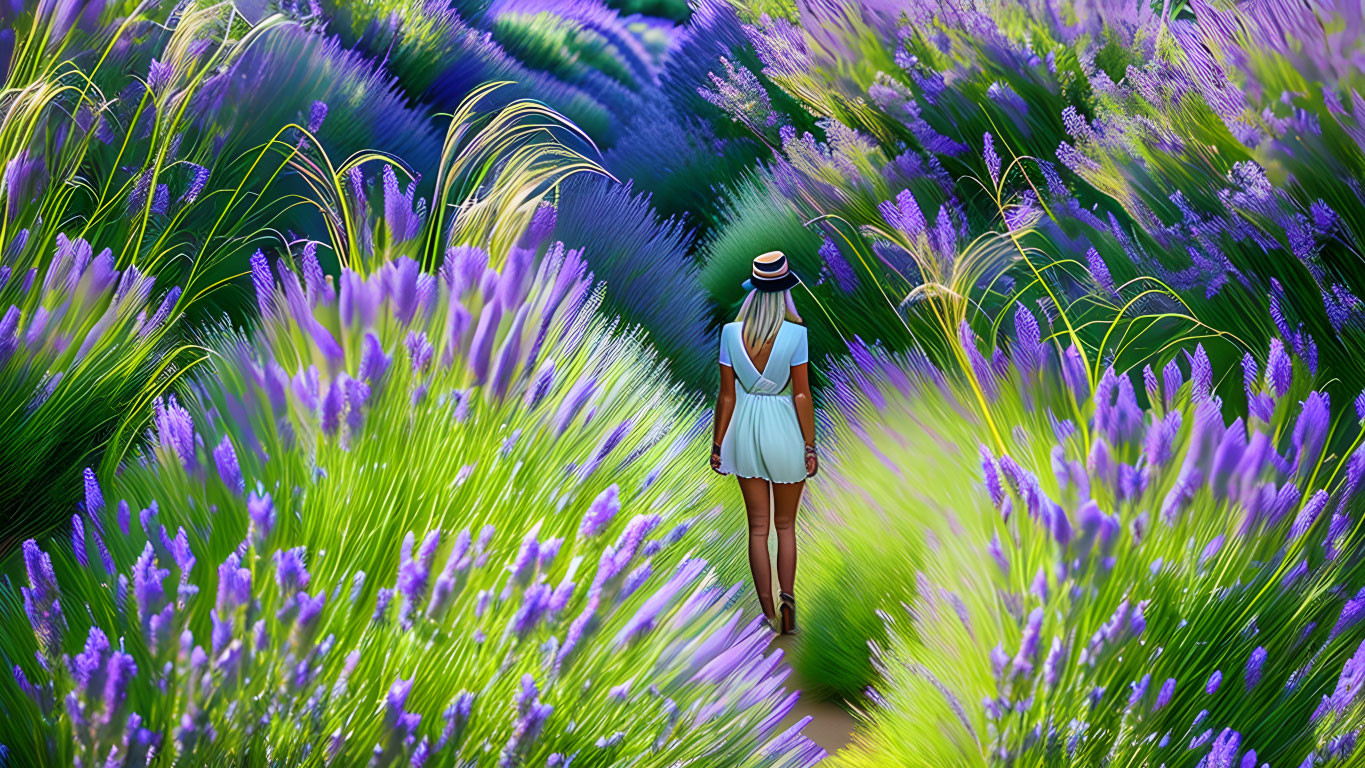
x,y
805,411
725,407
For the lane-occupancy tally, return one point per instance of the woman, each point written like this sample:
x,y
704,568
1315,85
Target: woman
x,y
765,426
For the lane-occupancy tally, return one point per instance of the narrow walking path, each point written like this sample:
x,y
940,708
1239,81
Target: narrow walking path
x,y
831,725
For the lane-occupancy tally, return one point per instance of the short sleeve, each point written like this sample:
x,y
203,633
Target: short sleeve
x,y
724,350
801,355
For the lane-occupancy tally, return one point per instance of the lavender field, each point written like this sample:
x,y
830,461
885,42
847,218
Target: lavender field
x,y
358,363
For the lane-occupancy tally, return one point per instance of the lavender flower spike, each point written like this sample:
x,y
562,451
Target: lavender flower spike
x,y
225,458
94,498
601,512
264,283
42,600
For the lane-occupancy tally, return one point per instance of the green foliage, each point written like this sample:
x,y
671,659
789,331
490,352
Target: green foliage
x,y
646,262
430,448
80,350
1058,584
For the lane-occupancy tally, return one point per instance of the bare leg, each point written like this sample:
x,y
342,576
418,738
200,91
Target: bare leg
x,y
786,498
755,491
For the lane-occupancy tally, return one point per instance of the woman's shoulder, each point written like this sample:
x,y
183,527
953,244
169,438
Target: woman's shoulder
x,y
798,327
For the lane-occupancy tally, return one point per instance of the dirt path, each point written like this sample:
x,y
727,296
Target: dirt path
x,y
831,725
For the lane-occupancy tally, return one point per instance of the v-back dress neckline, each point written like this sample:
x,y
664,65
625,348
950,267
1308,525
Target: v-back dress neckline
x,y
762,374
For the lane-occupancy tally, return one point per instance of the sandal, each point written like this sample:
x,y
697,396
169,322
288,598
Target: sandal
x,y
788,611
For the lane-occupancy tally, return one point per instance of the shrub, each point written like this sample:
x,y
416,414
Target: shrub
x,y
645,262
1150,585
1089,139
81,344
441,54
357,506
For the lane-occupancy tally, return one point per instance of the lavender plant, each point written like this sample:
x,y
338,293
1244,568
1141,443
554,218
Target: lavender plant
x,y
652,277
580,58
1163,584
952,122
124,130
357,474
81,344
104,124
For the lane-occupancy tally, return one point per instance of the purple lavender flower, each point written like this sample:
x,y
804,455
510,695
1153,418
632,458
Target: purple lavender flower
x,y
1253,669
419,350
358,301
1225,749
42,600
94,498
414,572
159,75
993,485
291,573
402,222
844,275
981,370
147,585
1100,271
904,215
991,158
944,236
1137,620
357,394
168,303
1310,432
601,512
260,511
1074,374
1201,374
1279,370
333,404
161,200
264,283
175,431
1029,351
199,178
1215,680
317,112
374,362
540,385
1028,645
1172,380
78,539
1139,690
225,458
1351,614
1149,383
482,345
1163,696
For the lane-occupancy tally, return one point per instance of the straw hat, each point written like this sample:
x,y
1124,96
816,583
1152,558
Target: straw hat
x,y
771,274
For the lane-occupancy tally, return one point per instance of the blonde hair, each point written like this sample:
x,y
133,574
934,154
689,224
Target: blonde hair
x,y
763,313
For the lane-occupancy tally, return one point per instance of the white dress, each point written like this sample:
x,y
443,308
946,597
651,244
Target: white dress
x,y
763,438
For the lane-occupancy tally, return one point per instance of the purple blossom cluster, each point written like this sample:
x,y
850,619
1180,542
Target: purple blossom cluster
x,y
1165,495
1153,550
75,334
271,653
466,326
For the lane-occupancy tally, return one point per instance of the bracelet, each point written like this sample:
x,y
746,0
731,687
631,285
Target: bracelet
x,y
810,450
715,448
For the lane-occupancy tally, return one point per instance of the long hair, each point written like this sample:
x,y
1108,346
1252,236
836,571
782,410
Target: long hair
x,y
763,313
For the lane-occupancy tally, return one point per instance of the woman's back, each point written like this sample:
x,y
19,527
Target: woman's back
x,y
789,347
